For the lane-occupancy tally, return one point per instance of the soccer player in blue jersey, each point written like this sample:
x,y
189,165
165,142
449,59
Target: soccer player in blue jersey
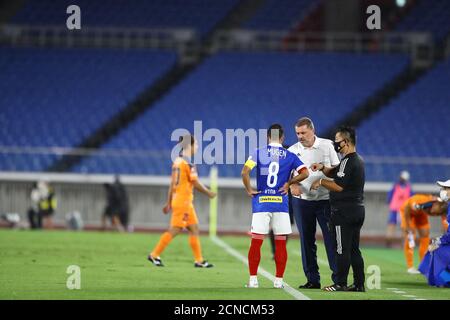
x,y
436,264
274,166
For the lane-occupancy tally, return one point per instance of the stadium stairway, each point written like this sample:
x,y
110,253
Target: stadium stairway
x,y
243,11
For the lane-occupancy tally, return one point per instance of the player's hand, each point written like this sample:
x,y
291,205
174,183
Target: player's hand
x,y
295,190
284,189
212,195
167,208
432,247
317,167
315,185
253,192
435,243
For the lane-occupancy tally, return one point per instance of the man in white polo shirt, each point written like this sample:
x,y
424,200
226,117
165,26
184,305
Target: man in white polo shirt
x,y
311,206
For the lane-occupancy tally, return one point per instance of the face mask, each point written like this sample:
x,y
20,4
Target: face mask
x,y
444,195
337,146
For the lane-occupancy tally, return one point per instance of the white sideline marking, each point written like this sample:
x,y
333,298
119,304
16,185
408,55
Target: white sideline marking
x,y
396,290
293,292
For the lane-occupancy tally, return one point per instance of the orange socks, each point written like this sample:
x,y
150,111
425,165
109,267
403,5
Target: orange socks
x,y
409,252
423,247
162,244
165,239
194,242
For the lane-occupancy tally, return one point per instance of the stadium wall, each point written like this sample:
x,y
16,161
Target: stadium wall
x,y
147,194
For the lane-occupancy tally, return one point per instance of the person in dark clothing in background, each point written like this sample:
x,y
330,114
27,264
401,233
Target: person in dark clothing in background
x,y
122,200
347,209
117,206
43,206
34,217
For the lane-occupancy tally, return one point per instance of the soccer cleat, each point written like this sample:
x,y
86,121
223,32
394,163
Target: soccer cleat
x,y
252,283
156,261
310,285
413,271
334,288
203,264
278,283
355,288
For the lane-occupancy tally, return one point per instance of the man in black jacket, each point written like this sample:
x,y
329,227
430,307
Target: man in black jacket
x,y
347,209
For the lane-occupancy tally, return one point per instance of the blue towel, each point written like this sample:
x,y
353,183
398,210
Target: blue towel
x,y
435,267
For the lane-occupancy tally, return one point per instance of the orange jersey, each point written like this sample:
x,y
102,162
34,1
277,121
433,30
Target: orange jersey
x,y
184,175
419,218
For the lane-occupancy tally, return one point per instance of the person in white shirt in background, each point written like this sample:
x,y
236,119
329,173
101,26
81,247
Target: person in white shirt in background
x,y
312,206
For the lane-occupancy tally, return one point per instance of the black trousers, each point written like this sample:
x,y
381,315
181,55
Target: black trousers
x,y
35,219
346,223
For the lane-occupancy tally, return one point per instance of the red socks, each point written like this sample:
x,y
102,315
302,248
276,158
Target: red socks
x,y
254,253
280,255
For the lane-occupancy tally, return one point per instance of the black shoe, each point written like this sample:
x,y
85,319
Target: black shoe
x,y
156,261
310,285
203,264
355,288
334,287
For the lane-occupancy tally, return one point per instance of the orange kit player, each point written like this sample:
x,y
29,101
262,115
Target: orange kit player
x,y
414,214
180,201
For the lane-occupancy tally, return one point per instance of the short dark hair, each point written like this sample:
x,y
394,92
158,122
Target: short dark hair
x,y
348,132
305,121
275,129
186,140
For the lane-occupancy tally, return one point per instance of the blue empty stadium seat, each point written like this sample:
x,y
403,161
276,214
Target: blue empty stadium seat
x,y
279,15
414,125
201,15
250,90
58,97
428,16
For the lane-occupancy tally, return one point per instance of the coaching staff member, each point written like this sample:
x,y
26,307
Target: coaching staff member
x,y
347,209
313,206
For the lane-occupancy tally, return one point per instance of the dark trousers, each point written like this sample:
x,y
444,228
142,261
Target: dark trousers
x,y
35,219
346,222
307,214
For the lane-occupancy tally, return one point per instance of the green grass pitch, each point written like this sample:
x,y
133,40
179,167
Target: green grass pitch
x,y
33,265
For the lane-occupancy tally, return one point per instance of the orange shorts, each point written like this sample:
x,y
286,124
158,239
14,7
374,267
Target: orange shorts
x,y
183,216
419,221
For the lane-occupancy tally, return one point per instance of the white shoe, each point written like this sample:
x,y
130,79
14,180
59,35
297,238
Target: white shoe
x,y
252,283
413,271
278,283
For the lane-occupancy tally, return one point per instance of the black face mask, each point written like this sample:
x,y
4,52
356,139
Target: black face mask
x,y
337,145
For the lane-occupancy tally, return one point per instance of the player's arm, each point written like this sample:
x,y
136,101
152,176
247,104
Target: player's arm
x,y
407,214
302,175
327,171
201,187
193,177
245,174
168,206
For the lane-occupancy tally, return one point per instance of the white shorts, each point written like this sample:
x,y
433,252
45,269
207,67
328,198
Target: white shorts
x,y
279,222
